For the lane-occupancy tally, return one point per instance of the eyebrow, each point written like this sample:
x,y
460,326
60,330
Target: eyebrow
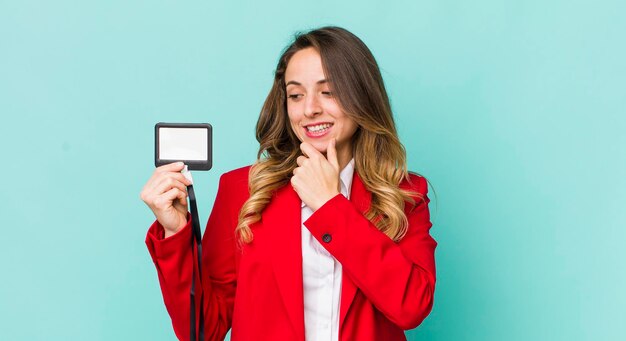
x,y
321,81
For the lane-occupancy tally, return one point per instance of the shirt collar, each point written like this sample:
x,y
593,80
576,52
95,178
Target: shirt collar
x,y
345,177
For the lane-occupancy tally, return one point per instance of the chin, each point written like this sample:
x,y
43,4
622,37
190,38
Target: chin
x,y
321,147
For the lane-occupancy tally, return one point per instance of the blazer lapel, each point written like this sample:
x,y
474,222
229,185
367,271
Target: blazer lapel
x,y
283,218
361,199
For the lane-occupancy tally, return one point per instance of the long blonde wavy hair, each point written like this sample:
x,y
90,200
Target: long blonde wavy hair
x,y
380,158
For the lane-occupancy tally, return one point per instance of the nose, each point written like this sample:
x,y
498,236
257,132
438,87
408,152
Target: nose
x,y
312,106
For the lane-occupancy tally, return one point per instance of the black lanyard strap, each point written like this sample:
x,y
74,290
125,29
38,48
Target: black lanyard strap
x,y
197,239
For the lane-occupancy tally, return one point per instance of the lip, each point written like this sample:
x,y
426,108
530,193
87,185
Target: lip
x,y
318,123
316,134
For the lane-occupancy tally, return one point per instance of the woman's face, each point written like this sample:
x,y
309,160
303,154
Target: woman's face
x,y
314,113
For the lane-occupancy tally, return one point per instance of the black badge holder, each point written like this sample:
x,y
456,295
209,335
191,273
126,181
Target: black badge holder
x,y
188,141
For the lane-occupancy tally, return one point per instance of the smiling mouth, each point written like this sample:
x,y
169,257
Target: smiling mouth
x,y
318,128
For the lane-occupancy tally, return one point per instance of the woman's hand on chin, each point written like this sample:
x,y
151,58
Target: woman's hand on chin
x,y
316,179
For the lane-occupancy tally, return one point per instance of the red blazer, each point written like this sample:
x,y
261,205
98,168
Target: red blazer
x,y
387,287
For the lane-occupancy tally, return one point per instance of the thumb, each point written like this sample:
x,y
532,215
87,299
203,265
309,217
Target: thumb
x,y
331,154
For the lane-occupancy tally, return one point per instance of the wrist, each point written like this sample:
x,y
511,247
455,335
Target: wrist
x,y
168,232
324,201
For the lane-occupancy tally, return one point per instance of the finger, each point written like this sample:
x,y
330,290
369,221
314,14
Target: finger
x,y
173,194
331,154
166,199
174,175
153,187
181,177
300,160
182,199
310,151
294,183
169,183
171,167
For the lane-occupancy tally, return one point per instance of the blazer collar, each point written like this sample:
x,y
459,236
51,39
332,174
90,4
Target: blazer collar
x,y
283,218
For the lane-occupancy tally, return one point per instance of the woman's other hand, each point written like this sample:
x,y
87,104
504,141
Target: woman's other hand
x,y
316,179
166,195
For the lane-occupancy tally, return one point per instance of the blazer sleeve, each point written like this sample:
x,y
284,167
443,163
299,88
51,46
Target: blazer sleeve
x,y
174,258
398,278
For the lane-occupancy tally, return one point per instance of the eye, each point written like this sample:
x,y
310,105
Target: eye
x,y
294,97
327,93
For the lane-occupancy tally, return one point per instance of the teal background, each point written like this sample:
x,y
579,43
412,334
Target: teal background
x,y
514,110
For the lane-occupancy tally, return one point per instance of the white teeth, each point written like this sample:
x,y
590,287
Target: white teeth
x,y
319,127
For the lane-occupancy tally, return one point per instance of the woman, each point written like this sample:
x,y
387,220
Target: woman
x,y
326,236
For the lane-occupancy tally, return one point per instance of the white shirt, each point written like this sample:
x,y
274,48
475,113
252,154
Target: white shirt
x,y
322,277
